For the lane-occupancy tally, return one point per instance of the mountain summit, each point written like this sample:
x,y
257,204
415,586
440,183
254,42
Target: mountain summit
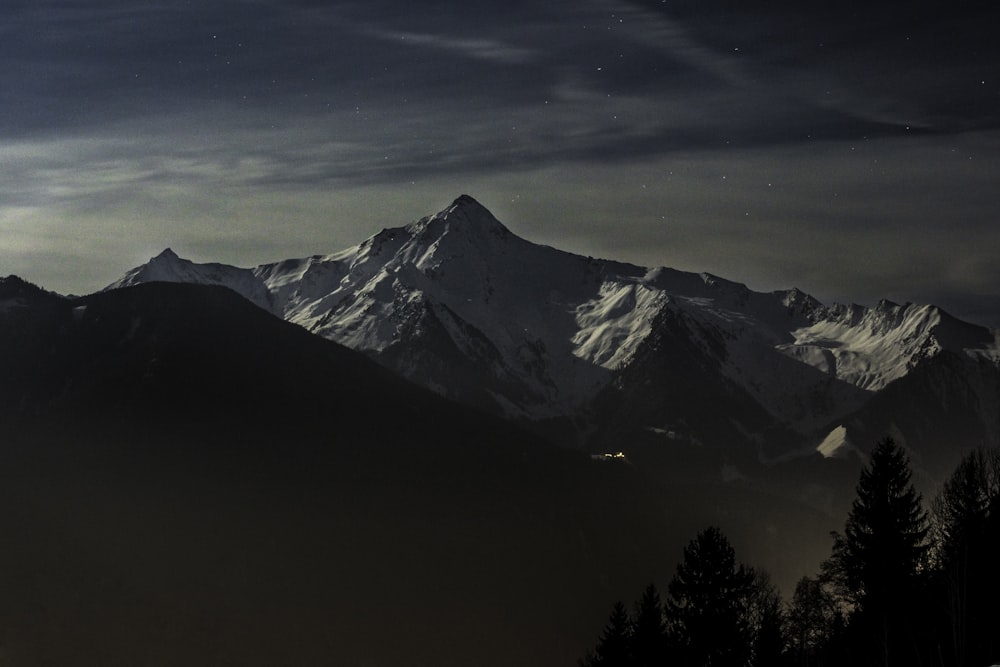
x,y
468,211
169,268
608,353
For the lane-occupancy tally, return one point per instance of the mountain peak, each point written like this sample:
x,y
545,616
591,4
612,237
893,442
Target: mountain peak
x,y
13,282
466,200
464,219
14,289
168,267
469,205
167,254
469,213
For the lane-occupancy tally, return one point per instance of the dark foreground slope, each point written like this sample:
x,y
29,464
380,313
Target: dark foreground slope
x,y
185,479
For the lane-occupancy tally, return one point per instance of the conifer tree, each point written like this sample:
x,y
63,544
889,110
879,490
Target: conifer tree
x,y
614,646
649,630
706,604
878,559
966,526
883,546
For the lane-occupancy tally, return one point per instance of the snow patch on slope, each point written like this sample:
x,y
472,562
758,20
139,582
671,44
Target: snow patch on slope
x,y
615,322
836,444
868,348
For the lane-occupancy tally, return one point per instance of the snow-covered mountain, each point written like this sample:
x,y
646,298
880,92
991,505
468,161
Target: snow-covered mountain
x,y
597,349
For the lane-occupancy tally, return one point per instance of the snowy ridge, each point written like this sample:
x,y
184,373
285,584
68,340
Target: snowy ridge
x,y
459,303
871,347
168,267
544,311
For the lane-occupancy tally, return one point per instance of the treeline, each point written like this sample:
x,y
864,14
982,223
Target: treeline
x,y
902,586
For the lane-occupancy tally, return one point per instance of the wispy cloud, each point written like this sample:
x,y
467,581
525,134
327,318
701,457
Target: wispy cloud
x,y
657,30
479,49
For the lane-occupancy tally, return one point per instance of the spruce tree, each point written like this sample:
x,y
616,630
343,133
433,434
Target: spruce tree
x,y
878,559
706,605
614,646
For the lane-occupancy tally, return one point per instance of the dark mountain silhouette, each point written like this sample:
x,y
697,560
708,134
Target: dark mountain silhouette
x,y
186,479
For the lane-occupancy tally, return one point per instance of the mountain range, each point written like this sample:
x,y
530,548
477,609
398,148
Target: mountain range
x,y
444,446
609,356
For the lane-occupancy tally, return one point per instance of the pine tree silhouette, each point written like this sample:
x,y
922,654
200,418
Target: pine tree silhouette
x,y
705,607
614,647
967,536
878,559
649,630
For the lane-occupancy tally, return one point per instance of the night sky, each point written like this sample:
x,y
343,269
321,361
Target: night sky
x,y
851,149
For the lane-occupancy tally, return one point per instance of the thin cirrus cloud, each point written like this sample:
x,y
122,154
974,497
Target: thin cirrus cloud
x,y
478,49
